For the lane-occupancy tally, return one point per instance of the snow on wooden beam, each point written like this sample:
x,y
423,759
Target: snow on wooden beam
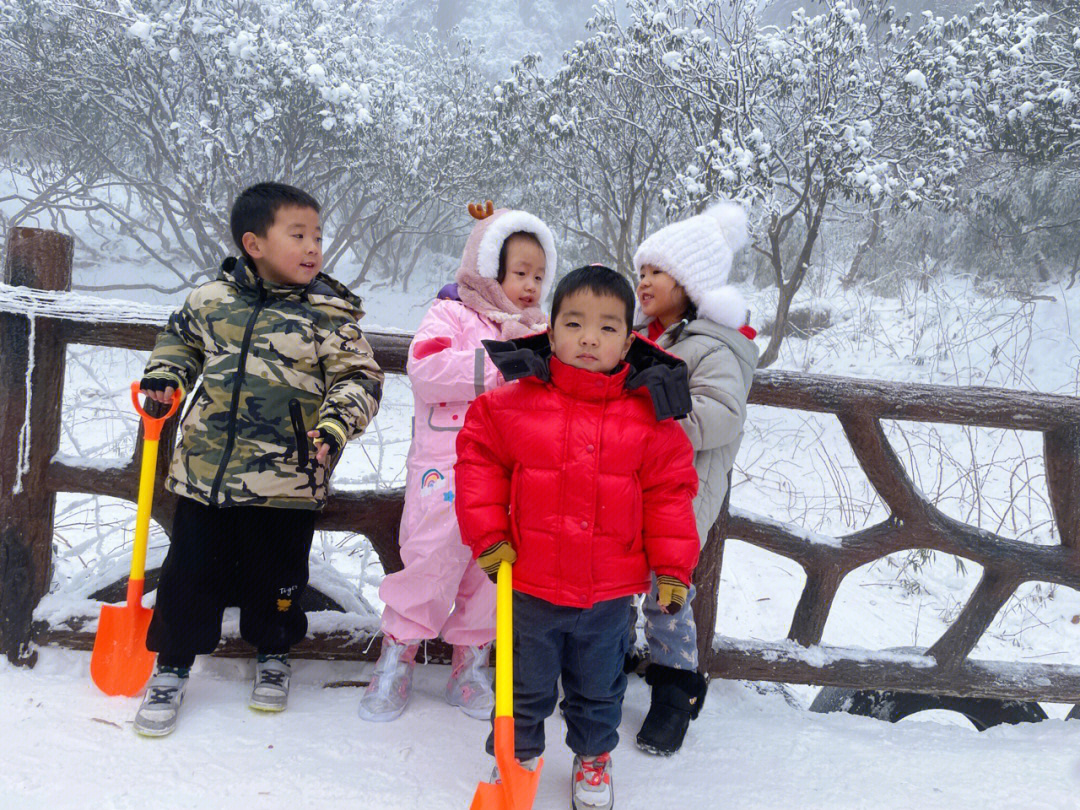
x,y
787,662
323,646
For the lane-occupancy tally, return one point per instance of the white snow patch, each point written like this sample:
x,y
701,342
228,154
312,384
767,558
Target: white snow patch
x,y
916,78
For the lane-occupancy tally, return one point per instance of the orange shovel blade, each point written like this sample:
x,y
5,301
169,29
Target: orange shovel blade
x,y
514,793
120,663
516,789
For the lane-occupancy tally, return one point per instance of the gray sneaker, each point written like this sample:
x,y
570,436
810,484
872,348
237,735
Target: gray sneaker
x,y
590,783
528,764
161,703
270,692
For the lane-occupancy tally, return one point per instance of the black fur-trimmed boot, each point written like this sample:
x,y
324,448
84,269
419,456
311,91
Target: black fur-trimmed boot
x,y
677,697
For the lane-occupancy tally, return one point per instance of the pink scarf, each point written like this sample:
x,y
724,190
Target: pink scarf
x,y
486,297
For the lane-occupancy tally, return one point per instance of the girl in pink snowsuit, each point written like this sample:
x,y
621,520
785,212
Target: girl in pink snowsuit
x,y
506,271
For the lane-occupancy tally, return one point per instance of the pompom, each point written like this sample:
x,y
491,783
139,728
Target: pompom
x,y
731,218
725,306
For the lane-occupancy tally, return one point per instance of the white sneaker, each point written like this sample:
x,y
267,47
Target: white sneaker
x,y
528,764
390,688
161,703
270,692
591,783
469,687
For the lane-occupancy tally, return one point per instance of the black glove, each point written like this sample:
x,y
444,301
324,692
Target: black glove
x,y
157,383
323,435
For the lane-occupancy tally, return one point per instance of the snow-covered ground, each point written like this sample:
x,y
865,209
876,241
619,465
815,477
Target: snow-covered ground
x,y
65,746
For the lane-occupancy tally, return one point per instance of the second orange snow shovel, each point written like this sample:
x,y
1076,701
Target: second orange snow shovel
x,y
516,789
120,663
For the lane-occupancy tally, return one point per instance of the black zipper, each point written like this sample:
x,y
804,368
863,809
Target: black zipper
x,y
301,435
238,381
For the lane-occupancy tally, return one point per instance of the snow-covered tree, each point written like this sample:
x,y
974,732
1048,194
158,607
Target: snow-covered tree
x,y
686,102
1007,76
596,145
155,112
796,122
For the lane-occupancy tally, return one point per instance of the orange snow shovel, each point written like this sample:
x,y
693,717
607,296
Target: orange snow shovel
x,y
120,663
517,786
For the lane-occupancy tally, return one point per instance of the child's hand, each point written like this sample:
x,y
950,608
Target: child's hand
x,y
492,557
158,389
672,595
326,443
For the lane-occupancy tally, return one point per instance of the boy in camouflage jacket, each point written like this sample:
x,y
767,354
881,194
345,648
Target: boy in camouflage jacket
x,y
287,379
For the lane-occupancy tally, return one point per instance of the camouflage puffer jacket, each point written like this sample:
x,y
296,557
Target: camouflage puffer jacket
x,y
276,361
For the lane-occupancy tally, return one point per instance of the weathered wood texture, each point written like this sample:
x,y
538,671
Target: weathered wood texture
x,y
338,646
391,348
866,669
40,258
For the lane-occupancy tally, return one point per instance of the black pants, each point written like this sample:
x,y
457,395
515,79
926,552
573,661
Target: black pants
x,y
586,647
252,556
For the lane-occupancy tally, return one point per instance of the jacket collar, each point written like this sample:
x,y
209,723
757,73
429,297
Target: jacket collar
x,y
241,273
663,376
588,385
741,344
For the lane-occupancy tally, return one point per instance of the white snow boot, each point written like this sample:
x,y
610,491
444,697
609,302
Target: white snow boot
x,y
270,692
390,688
161,703
469,687
590,783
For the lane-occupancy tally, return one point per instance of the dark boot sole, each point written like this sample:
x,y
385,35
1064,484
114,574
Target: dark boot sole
x,y
652,749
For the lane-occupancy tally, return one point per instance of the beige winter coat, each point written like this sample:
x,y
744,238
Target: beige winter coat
x,y
721,362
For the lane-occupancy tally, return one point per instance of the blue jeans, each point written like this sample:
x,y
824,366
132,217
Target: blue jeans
x,y
586,648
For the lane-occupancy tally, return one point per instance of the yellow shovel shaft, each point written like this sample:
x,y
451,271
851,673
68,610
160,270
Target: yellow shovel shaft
x,y
142,513
504,643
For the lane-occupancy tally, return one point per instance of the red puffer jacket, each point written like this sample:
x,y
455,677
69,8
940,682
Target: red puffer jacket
x,y
575,470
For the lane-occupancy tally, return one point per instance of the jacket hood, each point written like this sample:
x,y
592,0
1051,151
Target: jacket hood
x,y
481,254
662,375
745,350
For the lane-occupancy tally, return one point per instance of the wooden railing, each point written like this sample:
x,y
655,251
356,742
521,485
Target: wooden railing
x,y
42,260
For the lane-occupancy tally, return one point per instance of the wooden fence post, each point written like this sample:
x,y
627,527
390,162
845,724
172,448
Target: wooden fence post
x,y
41,260
707,582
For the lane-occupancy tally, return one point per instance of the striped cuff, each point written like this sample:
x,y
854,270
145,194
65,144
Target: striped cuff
x,y
171,376
671,591
491,558
336,428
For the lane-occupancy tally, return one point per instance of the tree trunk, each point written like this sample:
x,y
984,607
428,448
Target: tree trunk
x,y
791,287
864,248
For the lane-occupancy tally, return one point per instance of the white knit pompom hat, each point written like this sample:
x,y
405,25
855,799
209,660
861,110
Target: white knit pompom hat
x,y
697,252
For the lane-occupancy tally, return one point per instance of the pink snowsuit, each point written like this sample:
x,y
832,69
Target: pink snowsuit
x,y
439,572
442,591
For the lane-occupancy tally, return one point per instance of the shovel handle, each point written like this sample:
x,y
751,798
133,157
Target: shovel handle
x,y
504,642
152,424
151,436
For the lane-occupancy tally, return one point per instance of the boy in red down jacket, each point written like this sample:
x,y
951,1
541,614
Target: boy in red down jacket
x,y
578,474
